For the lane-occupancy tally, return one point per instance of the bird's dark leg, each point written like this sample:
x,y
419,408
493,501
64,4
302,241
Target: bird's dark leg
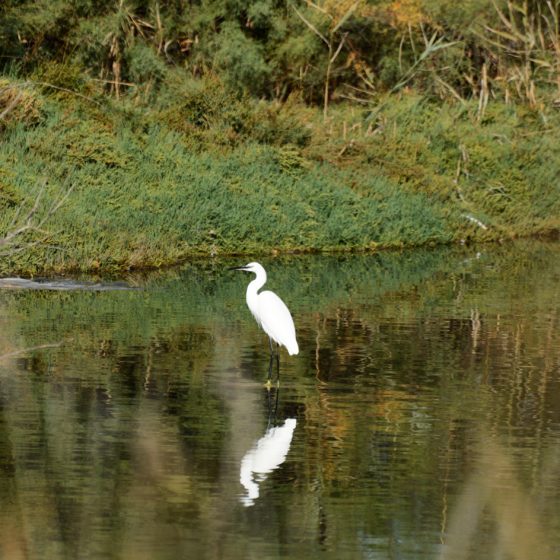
x,y
277,363
270,369
270,363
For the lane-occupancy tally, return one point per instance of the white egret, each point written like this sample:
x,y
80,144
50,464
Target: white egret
x,y
270,312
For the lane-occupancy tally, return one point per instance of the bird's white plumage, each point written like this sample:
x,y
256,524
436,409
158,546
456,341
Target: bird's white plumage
x,y
277,322
270,312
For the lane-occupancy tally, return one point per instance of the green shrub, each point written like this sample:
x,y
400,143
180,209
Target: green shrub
x,y
241,61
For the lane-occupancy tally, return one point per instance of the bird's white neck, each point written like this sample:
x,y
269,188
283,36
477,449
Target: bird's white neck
x,y
253,289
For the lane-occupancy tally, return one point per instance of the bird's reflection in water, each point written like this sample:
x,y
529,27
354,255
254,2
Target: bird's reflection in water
x,y
268,453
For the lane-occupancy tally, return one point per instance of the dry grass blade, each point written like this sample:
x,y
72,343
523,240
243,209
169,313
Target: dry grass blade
x,y
345,17
526,48
311,26
432,46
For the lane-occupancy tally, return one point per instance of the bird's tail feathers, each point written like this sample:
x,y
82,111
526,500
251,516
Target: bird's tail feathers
x,y
293,348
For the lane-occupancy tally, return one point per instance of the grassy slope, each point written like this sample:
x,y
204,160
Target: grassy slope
x,y
154,187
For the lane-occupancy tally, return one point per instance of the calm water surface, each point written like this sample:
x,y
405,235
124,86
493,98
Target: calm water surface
x,y
421,419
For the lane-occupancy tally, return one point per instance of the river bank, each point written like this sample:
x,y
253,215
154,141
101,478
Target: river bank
x,y
97,184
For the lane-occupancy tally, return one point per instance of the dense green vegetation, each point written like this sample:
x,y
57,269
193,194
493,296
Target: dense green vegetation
x,y
139,133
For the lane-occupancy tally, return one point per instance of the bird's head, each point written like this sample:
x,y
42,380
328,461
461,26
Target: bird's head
x,y
253,267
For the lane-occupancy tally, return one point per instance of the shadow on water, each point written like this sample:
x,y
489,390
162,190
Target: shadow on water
x,y
421,419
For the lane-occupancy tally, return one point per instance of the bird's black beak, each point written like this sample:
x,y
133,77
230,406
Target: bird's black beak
x,y
237,268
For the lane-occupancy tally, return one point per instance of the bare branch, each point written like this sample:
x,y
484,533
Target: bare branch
x,y
30,349
11,105
340,45
66,90
28,219
13,241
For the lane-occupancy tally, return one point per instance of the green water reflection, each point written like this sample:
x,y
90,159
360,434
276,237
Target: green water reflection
x,y
424,409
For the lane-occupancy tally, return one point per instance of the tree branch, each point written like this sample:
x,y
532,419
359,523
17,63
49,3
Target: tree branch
x,y
31,348
12,242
